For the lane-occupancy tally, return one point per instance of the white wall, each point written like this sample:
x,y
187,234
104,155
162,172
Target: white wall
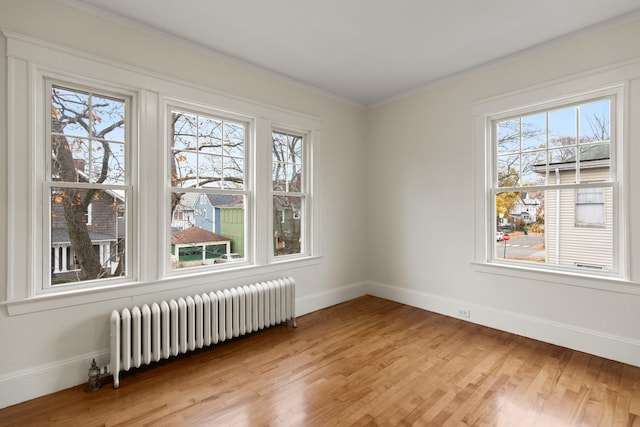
x,y
47,351
420,195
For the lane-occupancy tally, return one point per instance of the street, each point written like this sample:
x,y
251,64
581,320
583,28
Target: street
x,y
522,247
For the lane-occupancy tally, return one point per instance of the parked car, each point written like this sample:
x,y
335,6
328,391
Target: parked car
x,y
499,236
228,258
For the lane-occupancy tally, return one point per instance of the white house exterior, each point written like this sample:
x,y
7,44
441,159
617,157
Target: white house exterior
x,y
578,223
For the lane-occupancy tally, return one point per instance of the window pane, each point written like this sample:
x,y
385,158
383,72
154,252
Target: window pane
x,y
595,121
562,166
113,173
562,127
209,136
233,173
209,170
107,118
294,174
279,176
534,132
508,170
234,137
87,234
184,131
184,166
595,163
69,112
508,136
287,162
533,168
206,229
287,225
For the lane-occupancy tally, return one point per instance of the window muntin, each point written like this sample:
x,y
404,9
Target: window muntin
x,y
86,182
288,193
559,160
209,188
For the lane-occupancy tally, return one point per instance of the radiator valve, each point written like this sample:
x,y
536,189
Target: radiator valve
x,y
94,377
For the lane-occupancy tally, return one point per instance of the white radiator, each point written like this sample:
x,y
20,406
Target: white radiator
x,y
142,335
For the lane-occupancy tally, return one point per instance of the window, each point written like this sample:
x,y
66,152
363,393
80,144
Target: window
x,y
85,163
553,184
590,209
207,156
86,179
288,193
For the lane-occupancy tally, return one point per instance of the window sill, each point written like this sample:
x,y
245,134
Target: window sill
x,y
602,283
76,297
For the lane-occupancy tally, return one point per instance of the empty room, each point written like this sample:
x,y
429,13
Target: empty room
x,y
318,213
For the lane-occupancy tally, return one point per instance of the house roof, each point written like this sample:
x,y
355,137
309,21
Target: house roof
x,y
196,235
61,235
221,199
592,156
231,206
593,152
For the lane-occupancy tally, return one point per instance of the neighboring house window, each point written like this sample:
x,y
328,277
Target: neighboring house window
x,y
565,155
288,193
207,158
590,209
86,179
87,216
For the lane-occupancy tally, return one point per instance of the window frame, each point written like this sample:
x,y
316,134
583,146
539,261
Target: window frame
x,y
577,89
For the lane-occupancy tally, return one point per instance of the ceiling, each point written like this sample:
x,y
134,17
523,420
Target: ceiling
x,y
365,51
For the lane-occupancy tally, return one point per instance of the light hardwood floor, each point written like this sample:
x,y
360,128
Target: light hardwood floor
x,y
366,362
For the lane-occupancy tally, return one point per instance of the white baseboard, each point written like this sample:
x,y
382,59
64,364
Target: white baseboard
x,y
609,346
320,300
28,384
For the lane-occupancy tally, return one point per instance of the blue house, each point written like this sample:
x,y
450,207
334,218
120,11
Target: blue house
x,y
205,215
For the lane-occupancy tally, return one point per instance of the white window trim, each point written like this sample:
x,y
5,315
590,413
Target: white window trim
x,y
613,80
29,60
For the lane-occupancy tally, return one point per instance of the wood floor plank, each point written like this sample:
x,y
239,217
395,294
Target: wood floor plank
x,y
366,362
